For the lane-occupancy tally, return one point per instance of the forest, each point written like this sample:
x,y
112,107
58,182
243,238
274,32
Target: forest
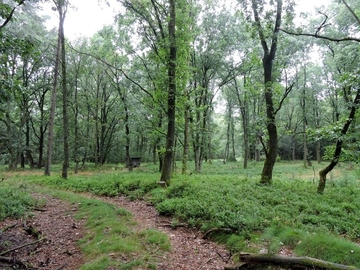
x,y
236,118
186,81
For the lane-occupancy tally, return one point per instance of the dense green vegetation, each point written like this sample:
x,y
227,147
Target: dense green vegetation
x,y
14,202
229,198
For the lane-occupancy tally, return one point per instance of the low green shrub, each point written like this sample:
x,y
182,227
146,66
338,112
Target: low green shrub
x,y
15,202
329,248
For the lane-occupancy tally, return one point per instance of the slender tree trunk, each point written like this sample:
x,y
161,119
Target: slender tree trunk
x,y
76,127
318,152
233,151
186,141
53,105
170,136
129,163
306,157
65,166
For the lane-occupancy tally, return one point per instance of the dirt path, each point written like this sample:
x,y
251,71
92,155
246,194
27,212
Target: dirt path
x,y
50,235
60,232
189,250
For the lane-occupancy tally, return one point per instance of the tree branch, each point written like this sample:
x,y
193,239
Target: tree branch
x,y
287,91
351,11
321,37
11,15
114,67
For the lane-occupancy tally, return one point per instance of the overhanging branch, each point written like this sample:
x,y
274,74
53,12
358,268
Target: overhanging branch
x,y
321,36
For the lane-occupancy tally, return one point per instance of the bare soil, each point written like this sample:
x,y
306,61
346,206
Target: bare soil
x,y
51,233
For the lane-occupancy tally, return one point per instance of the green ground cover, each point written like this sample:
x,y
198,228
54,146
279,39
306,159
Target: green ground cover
x,y
227,197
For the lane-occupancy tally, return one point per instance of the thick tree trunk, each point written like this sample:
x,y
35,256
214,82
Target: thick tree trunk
x,y
166,172
268,60
271,152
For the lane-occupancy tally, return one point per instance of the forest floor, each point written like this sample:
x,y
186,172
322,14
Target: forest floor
x,y
47,239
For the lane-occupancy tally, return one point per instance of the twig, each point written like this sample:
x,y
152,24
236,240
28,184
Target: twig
x,y
9,227
62,266
22,246
207,262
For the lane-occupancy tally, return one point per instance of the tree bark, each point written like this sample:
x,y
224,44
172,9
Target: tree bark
x,y
53,105
257,260
166,172
65,167
268,60
186,139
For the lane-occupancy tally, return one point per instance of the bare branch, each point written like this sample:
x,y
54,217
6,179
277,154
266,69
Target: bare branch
x,y
286,93
11,15
321,37
323,24
351,11
114,67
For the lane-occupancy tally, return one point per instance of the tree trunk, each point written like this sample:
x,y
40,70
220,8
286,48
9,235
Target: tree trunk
x,y
271,151
170,136
336,156
261,260
53,105
65,166
76,126
306,157
129,163
186,141
268,60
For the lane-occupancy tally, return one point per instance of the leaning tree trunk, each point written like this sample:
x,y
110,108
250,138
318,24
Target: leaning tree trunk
x,y
339,142
166,171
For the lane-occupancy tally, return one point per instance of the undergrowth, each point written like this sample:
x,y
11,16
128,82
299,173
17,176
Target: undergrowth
x,y
288,212
15,202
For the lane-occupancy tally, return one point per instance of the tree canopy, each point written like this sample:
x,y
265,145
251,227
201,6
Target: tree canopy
x,y
190,81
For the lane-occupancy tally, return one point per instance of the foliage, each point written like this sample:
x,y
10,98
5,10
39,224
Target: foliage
x,y
227,197
334,249
15,202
